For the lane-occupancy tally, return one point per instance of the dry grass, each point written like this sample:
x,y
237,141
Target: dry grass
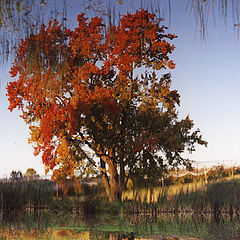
x,y
148,196
50,234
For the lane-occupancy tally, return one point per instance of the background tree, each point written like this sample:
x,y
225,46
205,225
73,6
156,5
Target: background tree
x,y
31,174
99,89
16,175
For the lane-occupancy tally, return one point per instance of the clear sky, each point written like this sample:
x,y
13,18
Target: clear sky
x,y
207,76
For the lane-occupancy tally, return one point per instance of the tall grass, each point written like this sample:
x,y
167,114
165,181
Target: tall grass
x,y
216,197
43,194
220,196
21,194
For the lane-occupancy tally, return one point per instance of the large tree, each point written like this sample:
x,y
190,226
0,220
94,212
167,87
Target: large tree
x,y
100,97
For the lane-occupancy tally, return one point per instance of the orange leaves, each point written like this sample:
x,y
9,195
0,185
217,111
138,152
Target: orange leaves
x,y
14,98
171,65
48,157
85,40
139,41
105,98
63,149
14,70
86,71
85,99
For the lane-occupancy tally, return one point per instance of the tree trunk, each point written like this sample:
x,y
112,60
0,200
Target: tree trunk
x,y
115,190
111,184
122,176
105,177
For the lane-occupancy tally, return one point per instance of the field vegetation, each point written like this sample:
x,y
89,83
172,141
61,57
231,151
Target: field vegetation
x,y
220,193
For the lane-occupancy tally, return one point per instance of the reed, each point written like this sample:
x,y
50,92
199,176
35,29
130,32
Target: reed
x,y
219,196
215,197
23,194
43,194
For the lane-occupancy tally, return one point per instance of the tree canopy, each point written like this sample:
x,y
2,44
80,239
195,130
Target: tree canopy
x,y
99,98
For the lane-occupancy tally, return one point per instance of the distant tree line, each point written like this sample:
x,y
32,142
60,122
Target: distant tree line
x,y
30,174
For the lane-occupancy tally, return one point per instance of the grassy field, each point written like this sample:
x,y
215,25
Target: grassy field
x,y
218,196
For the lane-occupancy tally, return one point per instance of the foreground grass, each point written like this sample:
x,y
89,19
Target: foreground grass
x,y
115,227
52,234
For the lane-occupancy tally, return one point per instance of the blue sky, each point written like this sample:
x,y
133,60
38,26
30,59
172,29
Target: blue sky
x,y
207,76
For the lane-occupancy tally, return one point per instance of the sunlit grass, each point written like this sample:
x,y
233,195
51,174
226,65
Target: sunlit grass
x,y
220,196
169,192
